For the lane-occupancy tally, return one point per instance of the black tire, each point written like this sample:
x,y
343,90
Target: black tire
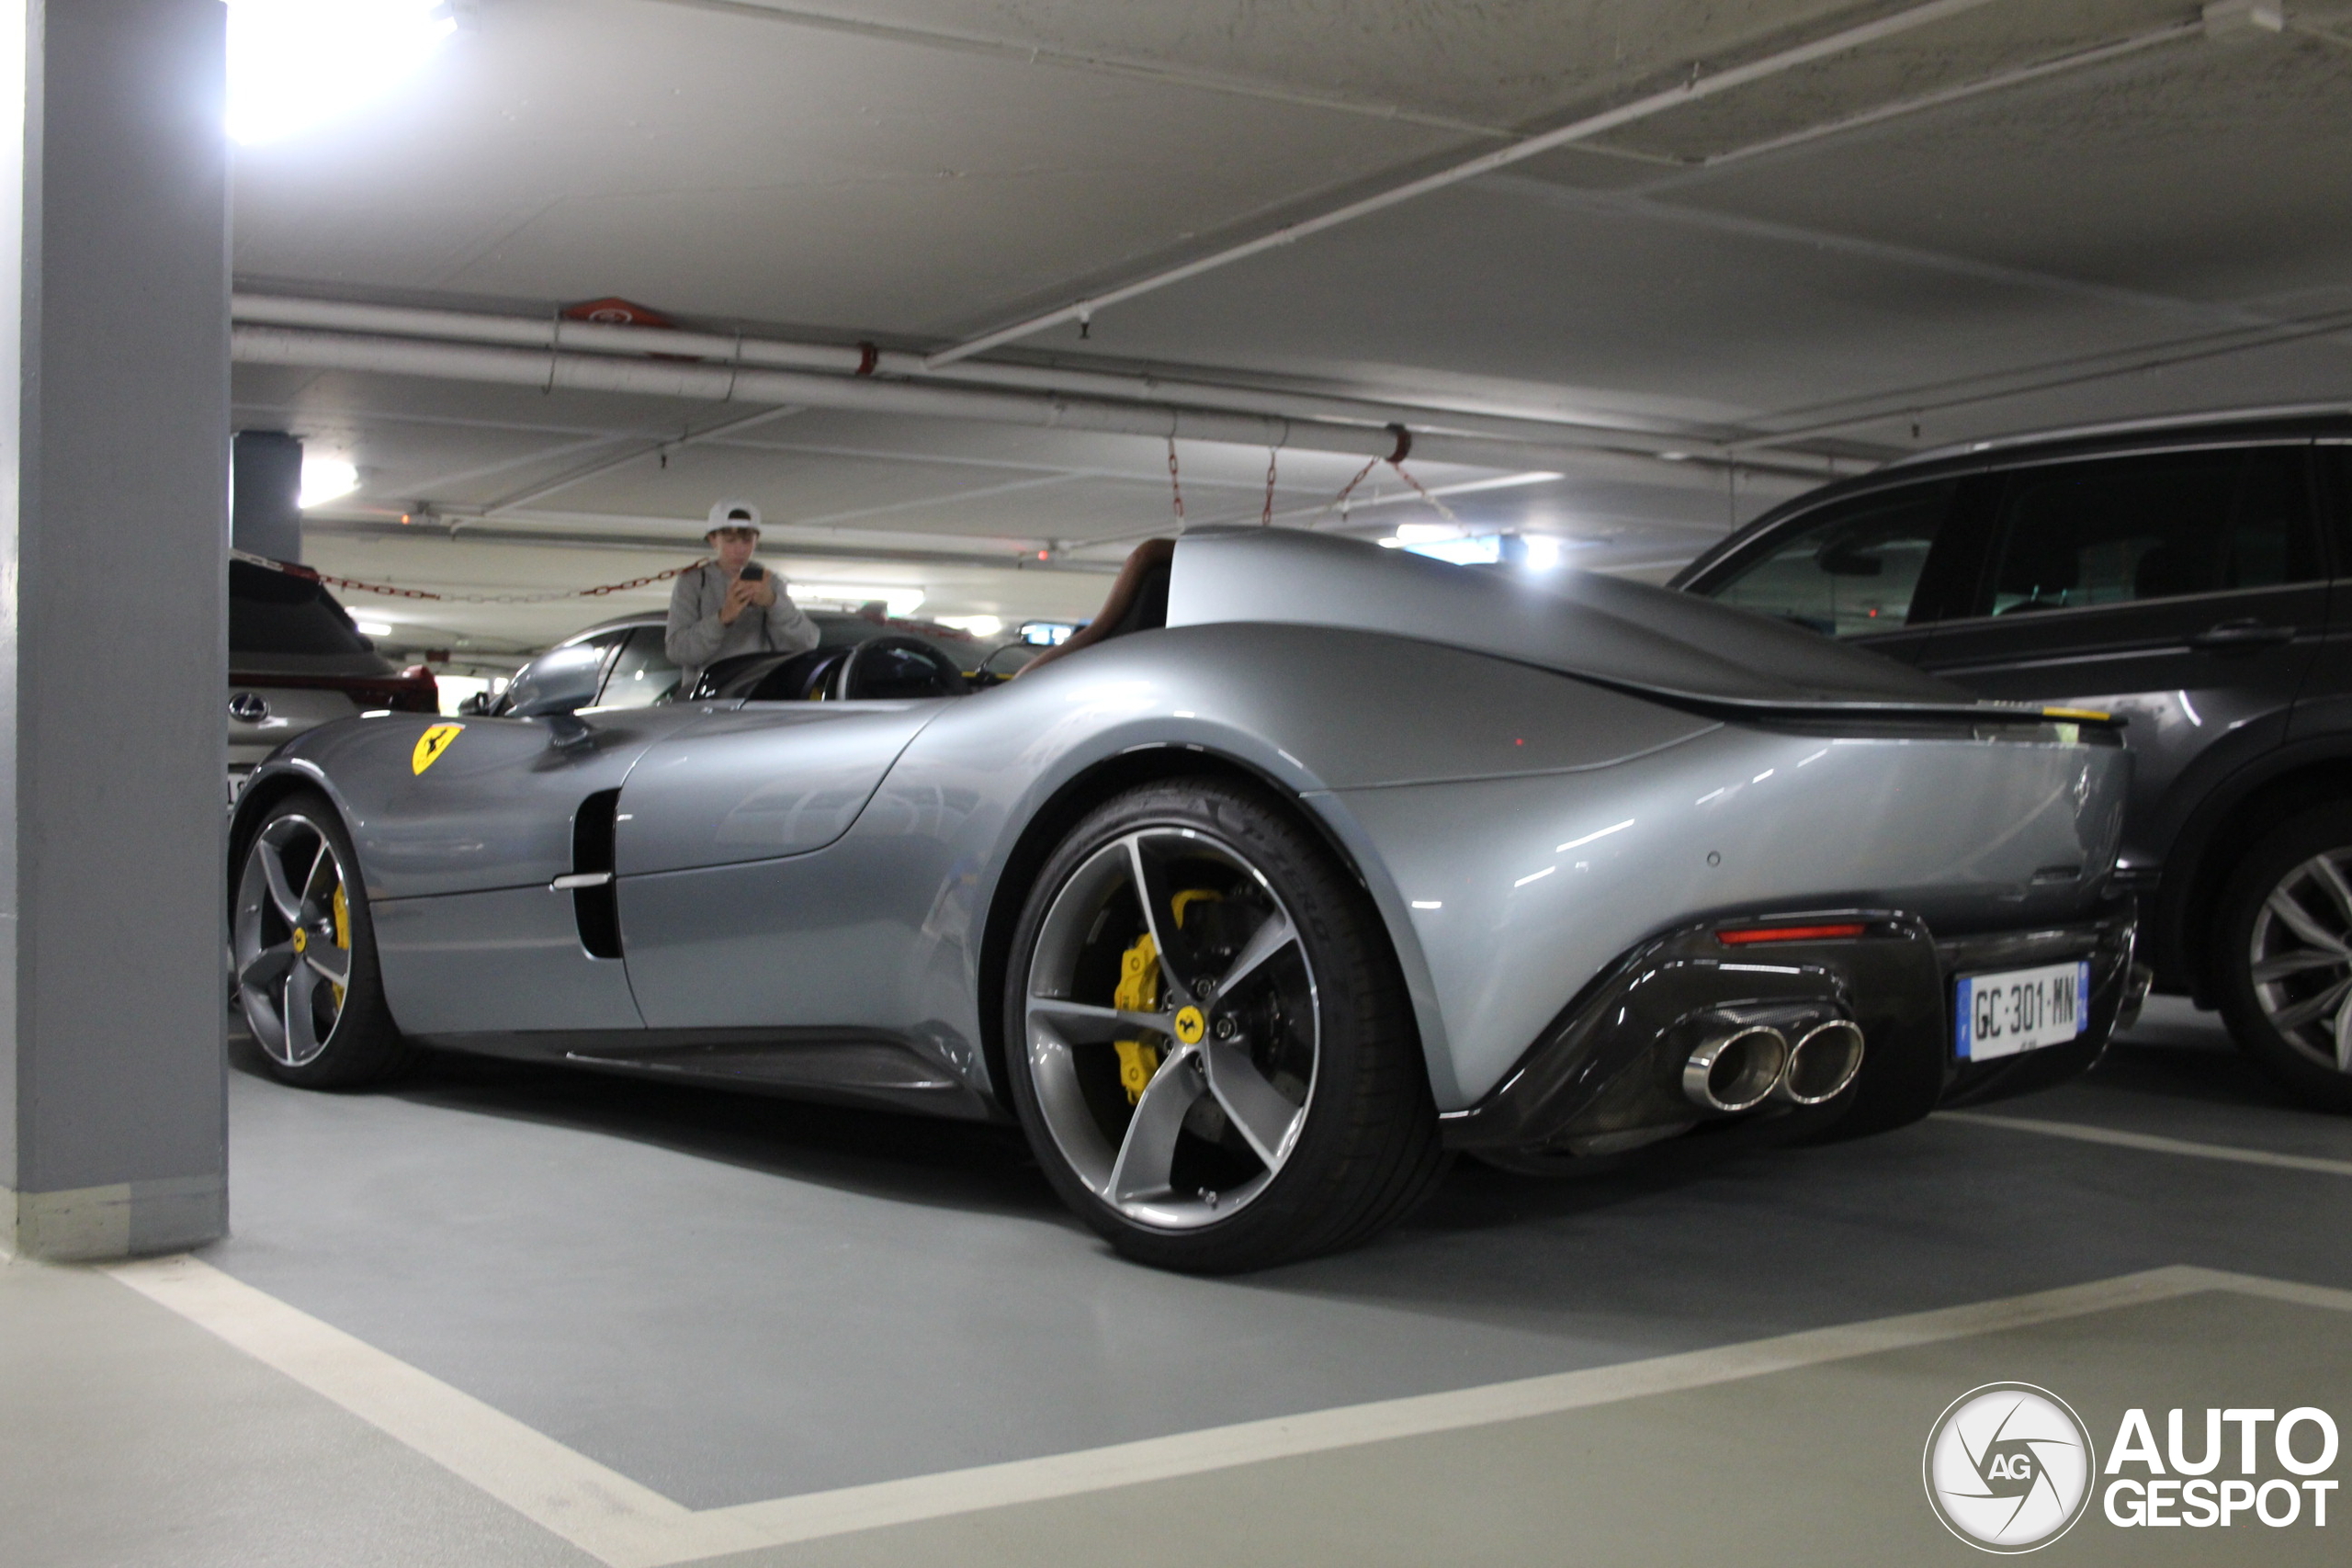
x,y
2299,1058
1359,1145
286,941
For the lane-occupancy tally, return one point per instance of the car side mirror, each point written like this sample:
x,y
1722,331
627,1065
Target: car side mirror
x,y
556,684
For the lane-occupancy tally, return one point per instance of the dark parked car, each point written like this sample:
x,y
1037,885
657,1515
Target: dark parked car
x,y
296,661
2193,577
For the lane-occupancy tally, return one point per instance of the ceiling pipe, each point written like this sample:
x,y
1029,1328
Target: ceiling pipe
x,y
551,369
778,541
894,365
1699,85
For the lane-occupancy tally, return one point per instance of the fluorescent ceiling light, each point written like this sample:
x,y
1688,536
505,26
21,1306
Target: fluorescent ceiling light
x,y
1422,533
373,629
1544,551
897,598
296,63
1508,482
324,478
979,625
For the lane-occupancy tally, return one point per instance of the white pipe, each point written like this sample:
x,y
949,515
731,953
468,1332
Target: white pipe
x,y
891,365
1693,91
549,369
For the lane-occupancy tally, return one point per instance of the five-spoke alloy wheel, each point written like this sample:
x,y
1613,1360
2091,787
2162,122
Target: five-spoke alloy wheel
x,y
2285,954
1209,1044
304,953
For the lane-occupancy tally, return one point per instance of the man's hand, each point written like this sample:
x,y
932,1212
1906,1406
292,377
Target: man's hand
x,y
740,595
763,592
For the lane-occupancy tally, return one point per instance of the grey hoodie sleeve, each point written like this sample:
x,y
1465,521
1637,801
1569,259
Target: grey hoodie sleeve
x,y
693,635
790,630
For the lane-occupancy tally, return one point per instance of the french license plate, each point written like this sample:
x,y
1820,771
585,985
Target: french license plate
x,y
2020,1010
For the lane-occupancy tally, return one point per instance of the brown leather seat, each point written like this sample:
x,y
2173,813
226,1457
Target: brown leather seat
x,y
1139,601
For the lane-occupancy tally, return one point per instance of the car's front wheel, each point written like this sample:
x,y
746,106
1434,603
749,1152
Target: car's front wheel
x,y
2284,947
1209,1043
304,951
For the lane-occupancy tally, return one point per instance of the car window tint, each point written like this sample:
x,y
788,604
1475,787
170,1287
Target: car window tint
x,y
275,612
2124,529
1853,567
642,675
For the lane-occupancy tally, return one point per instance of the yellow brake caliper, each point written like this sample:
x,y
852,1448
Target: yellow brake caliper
x,y
342,937
1138,991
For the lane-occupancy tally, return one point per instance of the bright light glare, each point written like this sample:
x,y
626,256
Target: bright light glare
x,y
1542,552
1423,533
979,625
373,629
1481,549
296,64
896,598
324,478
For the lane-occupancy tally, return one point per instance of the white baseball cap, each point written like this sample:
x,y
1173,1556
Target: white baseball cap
x,y
735,514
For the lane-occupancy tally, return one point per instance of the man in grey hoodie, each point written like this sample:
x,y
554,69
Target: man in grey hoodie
x,y
717,610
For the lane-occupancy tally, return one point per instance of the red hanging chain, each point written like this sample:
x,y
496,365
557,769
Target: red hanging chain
x,y
1175,486
1442,509
1266,518
388,590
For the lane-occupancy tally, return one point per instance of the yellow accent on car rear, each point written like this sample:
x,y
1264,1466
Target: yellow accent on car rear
x,y
2093,713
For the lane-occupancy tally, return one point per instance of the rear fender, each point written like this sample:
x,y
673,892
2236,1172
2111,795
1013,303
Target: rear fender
x,y
1345,710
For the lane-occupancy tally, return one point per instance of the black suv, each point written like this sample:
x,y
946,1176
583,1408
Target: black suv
x,y
2193,576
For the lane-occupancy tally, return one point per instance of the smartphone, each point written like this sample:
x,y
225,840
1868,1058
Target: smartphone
x,y
752,572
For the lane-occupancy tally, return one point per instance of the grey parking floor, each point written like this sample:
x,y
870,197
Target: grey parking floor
x,y
511,1315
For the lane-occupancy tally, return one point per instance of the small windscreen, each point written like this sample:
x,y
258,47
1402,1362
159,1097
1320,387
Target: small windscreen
x,y
275,612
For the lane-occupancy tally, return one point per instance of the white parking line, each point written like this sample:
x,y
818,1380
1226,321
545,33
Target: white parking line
x,y
2085,1133
627,1524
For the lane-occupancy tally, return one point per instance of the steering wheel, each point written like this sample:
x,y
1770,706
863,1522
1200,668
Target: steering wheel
x,y
895,666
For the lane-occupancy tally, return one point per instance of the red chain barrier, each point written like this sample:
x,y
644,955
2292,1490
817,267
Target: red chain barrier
x,y
1394,460
386,590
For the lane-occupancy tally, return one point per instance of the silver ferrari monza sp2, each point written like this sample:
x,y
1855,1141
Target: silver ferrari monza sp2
x,y
1250,907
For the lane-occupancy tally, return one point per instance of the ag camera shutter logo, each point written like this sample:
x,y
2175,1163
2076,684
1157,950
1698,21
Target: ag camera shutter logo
x,y
2008,1467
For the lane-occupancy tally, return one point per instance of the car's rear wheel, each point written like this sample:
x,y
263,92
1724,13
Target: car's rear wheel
x,y
1209,1043
2284,947
304,949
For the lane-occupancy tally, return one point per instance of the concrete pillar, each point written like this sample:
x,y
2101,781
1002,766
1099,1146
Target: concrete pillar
x,y
114,488
265,494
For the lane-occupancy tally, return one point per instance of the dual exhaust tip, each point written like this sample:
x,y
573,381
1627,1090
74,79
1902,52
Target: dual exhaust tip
x,y
1740,1065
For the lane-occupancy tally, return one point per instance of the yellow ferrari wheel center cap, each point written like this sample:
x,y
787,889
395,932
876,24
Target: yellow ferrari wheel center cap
x,y
1191,1025
301,939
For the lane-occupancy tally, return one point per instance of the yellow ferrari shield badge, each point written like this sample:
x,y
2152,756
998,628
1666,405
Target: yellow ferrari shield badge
x,y
431,744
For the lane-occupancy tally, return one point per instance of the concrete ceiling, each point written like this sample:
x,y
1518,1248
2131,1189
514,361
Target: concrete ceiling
x,y
2024,213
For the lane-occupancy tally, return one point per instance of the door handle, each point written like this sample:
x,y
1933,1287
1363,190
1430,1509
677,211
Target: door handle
x,y
2245,637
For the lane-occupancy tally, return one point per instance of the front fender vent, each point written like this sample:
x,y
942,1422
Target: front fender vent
x,y
598,907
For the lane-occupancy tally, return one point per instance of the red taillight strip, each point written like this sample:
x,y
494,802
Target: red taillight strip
x,y
1789,933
